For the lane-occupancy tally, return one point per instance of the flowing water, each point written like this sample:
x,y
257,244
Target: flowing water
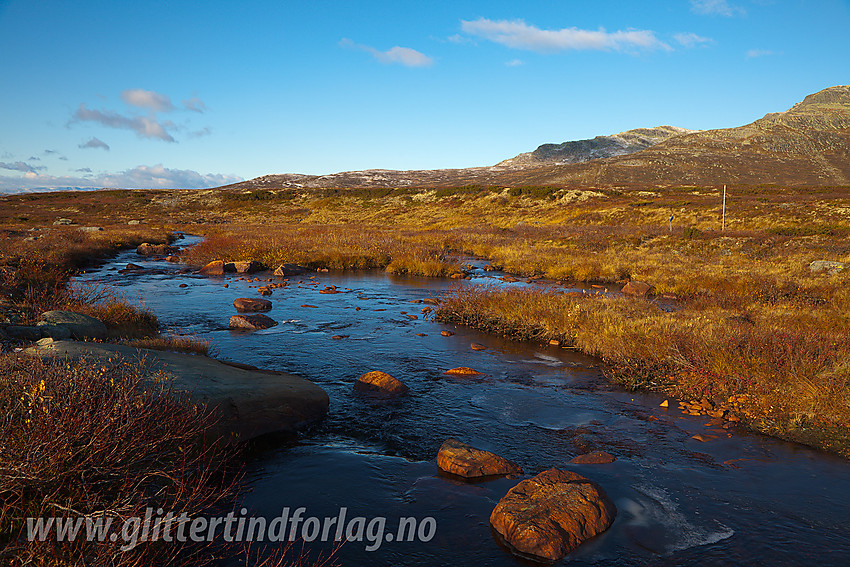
x,y
739,499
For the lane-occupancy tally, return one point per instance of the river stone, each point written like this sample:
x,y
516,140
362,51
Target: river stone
x,y
254,322
637,289
288,270
248,402
463,460
832,268
594,458
81,326
380,382
251,305
214,268
551,514
132,266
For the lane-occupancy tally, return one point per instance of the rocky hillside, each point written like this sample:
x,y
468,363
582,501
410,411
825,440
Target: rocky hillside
x,y
579,151
809,144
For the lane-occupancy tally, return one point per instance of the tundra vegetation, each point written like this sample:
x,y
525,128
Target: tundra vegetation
x,y
751,328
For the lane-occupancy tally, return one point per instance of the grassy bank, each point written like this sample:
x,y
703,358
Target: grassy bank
x,y
782,371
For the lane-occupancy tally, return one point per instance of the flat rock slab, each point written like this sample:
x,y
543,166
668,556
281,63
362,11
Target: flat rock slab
x,y
594,458
551,514
378,382
81,326
464,460
250,402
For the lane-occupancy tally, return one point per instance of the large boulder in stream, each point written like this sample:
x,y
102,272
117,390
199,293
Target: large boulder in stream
x,y
551,514
249,402
464,460
214,268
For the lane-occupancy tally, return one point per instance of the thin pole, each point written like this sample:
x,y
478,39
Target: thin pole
x,y
724,208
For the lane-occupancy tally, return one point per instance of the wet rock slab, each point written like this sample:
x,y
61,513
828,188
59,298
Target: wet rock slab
x,y
460,459
249,402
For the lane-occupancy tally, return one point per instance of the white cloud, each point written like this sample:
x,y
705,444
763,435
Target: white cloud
x,y
144,127
140,177
692,40
753,53
194,104
95,143
716,8
514,63
147,99
519,35
401,55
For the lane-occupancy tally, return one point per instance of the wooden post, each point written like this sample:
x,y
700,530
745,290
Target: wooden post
x,y
723,226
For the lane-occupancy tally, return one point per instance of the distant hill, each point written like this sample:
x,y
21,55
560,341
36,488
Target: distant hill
x,y
579,151
809,144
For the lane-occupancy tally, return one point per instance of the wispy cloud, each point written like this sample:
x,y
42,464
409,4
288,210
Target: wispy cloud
x,y
519,35
692,40
401,55
206,131
20,166
147,99
514,63
95,143
155,176
716,8
194,104
753,53
83,170
143,126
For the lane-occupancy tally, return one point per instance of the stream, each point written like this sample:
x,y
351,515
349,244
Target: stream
x,y
738,499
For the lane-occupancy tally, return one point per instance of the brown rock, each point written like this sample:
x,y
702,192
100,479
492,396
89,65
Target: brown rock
x,y
183,285
446,333
462,371
477,346
554,342
172,259
380,382
638,289
425,310
458,276
214,268
132,266
466,461
310,306
431,301
264,290
594,458
252,322
247,267
551,514
251,305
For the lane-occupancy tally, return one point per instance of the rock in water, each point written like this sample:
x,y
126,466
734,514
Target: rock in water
x,y
251,305
462,371
380,382
252,322
248,267
288,270
214,268
637,289
81,326
148,249
466,461
551,514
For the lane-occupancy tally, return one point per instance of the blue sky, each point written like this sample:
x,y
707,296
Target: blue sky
x,y
192,94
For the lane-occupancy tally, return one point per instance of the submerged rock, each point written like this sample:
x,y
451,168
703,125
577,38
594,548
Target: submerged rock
x,y
380,382
594,458
551,514
251,305
462,371
254,322
464,460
